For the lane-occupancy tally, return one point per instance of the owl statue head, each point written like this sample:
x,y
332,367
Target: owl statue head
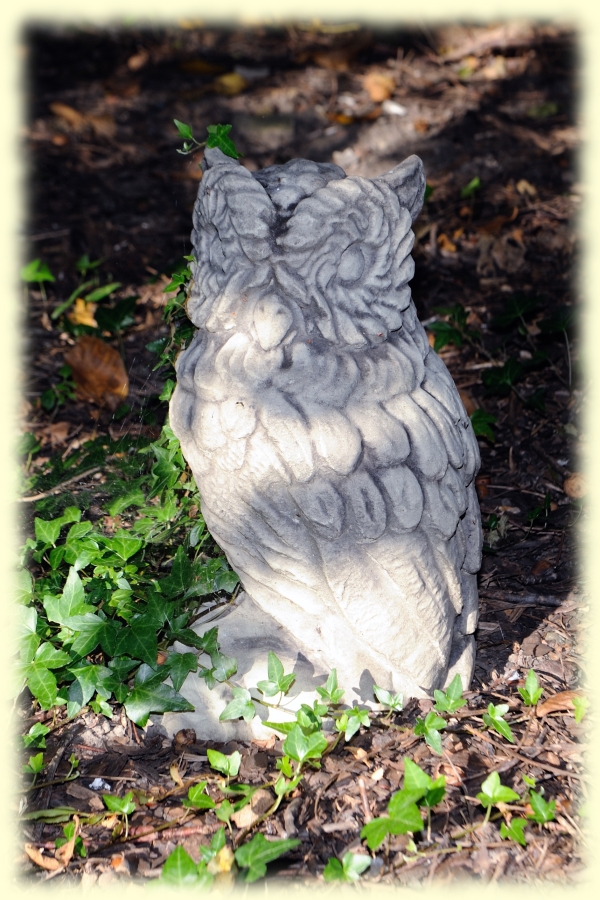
x,y
320,251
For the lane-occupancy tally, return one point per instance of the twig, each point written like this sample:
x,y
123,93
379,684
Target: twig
x,y
531,762
364,799
59,487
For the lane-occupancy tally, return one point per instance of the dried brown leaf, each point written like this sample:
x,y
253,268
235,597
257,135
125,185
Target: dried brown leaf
x,y
175,774
75,119
104,126
246,817
138,60
230,84
444,243
83,313
575,486
222,862
379,85
98,371
556,703
469,403
45,862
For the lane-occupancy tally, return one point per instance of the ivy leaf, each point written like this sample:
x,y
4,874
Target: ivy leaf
x,y
532,691
47,655
155,698
471,188
42,684
258,852
494,719
70,603
240,707
331,694
445,334
482,422
392,701
228,765
218,137
197,797
139,640
182,575
514,831
278,682
300,746
38,271
354,718
123,806
452,699
180,665
349,869
430,728
123,544
493,792
184,130
543,810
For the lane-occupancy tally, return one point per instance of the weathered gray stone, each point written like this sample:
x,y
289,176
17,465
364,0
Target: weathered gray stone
x,y
334,458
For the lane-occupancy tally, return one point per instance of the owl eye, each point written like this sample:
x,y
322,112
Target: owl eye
x,y
352,263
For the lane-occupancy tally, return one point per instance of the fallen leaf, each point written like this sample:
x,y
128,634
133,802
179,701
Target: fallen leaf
x,y
525,187
358,753
458,233
75,119
175,775
45,321
230,84
575,486
421,125
201,67
444,243
83,313
507,254
64,854
59,140
55,433
138,60
161,657
495,69
379,85
250,813
542,565
469,402
481,485
495,224
340,118
119,863
222,862
45,862
98,371
104,126
562,701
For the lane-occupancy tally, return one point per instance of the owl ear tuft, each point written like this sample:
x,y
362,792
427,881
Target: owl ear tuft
x,y
215,157
408,183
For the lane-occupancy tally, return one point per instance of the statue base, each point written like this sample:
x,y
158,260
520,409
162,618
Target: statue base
x,y
247,633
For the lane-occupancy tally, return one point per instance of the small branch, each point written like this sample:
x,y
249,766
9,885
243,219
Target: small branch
x,y
59,487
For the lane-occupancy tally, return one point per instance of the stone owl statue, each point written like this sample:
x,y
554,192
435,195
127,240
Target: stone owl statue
x,y
334,458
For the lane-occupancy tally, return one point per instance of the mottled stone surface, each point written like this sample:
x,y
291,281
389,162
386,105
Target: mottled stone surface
x,y
333,455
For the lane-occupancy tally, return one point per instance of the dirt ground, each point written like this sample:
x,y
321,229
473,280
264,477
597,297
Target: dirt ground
x,y
492,114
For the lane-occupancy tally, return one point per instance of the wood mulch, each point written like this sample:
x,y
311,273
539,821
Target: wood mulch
x,y
496,103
